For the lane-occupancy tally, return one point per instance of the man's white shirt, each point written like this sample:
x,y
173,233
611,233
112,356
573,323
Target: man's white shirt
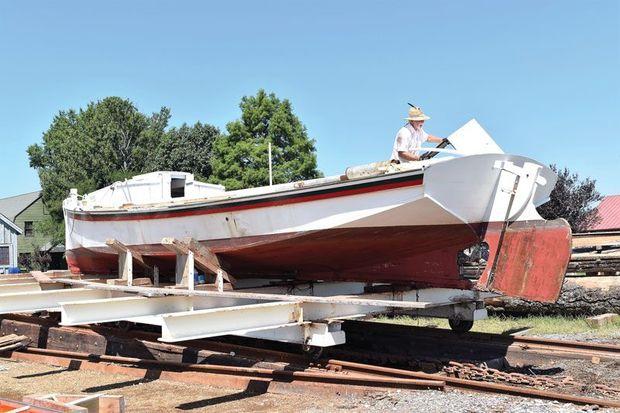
x,y
408,139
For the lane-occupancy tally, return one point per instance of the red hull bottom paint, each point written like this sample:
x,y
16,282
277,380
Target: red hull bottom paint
x,y
425,256
531,260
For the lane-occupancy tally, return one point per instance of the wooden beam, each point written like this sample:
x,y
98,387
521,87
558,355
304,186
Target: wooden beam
x,y
405,299
41,277
204,258
121,248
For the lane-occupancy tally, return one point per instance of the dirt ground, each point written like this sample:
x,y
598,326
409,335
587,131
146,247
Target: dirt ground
x,y
20,378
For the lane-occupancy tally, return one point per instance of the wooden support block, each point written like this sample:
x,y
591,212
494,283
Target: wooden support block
x,y
602,320
184,270
213,287
78,402
121,248
156,276
142,282
116,281
47,402
204,258
125,266
41,277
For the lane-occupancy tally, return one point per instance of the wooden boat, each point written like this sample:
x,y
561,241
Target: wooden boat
x,y
402,224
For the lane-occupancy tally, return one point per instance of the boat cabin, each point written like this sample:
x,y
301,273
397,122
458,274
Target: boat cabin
x,y
151,188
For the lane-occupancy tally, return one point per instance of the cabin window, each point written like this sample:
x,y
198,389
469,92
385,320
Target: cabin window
x,y
177,187
28,229
4,255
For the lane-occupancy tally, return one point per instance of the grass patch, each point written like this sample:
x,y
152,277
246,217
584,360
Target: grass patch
x,y
505,324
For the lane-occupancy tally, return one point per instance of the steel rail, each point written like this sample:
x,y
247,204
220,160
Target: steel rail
x,y
533,343
569,344
352,367
273,374
476,385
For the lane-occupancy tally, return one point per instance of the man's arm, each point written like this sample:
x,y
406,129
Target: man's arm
x,y
408,156
436,139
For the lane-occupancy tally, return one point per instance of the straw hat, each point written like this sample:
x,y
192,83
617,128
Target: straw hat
x,y
415,113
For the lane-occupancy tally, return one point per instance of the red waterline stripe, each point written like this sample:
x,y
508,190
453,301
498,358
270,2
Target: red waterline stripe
x,y
224,208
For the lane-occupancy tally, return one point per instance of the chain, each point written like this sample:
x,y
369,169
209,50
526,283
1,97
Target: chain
x,y
480,373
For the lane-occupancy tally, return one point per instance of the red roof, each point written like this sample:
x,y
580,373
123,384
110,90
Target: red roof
x,y
609,212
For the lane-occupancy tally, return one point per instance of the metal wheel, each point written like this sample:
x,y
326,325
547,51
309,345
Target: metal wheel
x,y
123,325
313,352
460,326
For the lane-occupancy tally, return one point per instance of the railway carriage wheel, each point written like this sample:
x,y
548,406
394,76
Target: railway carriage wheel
x,y
313,352
460,326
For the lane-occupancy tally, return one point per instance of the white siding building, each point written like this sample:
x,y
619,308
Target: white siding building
x,y
8,244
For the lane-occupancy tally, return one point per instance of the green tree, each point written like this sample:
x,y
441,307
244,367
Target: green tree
x,y
572,199
240,158
187,149
93,147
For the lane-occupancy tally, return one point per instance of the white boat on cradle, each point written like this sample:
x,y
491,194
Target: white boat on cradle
x,y
382,222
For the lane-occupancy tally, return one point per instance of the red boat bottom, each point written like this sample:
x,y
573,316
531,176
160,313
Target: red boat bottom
x,y
530,262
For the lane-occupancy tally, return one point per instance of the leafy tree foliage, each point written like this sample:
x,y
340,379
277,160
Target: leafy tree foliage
x,y
91,148
111,140
240,158
187,148
573,200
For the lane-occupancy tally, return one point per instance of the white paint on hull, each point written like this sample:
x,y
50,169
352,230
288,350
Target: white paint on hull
x,y
471,189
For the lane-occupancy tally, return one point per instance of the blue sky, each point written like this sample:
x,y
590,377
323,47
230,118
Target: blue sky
x,y
543,77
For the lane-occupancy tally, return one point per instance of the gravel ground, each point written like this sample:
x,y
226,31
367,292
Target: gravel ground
x,y
143,395
614,338
454,401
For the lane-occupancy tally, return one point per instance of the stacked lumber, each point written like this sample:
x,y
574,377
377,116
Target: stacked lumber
x,y
74,403
13,342
86,403
593,254
608,264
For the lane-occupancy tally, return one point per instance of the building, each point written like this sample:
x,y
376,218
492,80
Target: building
x,y
25,211
8,244
609,214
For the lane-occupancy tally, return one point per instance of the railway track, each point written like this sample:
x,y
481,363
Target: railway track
x,y
241,364
385,342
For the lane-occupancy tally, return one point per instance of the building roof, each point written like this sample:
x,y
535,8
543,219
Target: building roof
x,y
12,206
609,212
9,224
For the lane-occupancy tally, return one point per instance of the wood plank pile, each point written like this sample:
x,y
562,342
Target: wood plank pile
x,y
13,342
74,403
593,254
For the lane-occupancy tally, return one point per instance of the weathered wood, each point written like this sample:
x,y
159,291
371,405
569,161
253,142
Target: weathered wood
x,y
78,402
592,239
41,277
204,258
36,333
13,342
184,271
360,299
602,320
119,247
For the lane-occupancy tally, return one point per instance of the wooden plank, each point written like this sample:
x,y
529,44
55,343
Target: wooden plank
x,y
13,342
602,320
204,257
121,248
348,299
593,239
41,278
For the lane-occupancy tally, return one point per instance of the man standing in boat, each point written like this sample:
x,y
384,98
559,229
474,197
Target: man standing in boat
x,y
410,137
